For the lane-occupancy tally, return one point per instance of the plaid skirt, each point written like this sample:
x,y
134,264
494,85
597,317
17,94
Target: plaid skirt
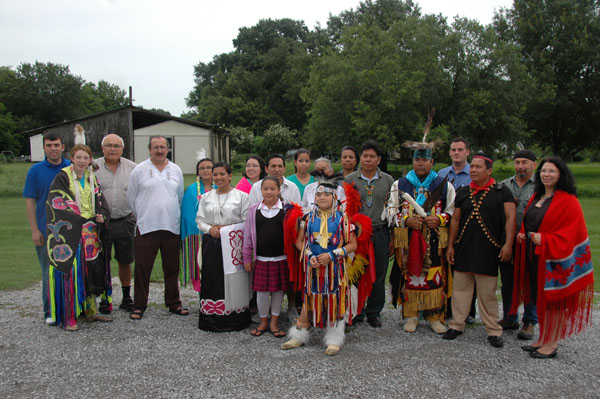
x,y
270,276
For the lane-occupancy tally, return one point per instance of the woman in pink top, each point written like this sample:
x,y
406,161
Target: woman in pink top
x,y
255,171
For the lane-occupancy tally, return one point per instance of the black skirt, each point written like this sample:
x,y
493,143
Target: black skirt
x,y
213,315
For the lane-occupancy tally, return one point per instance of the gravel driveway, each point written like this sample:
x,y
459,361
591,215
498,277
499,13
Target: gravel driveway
x,y
166,356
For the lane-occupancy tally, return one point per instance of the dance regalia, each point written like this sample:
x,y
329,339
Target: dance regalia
x,y
565,275
326,288
190,235
76,246
420,278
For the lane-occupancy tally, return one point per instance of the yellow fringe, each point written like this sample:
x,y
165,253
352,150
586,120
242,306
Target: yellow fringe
x,y
400,237
442,238
423,300
356,269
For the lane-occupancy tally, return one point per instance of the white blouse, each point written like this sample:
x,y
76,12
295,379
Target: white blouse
x,y
221,209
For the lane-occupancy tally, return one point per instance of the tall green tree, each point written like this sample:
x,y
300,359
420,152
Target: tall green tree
x,y
489,89
560,46
381,78
8,140
257,85
101,97
47,92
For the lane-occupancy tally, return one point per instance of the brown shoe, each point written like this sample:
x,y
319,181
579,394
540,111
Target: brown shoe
x,y
526,332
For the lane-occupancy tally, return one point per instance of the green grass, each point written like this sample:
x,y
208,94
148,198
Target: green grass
x,y
19,267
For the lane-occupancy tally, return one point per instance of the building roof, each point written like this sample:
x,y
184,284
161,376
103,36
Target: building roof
x,y
141,118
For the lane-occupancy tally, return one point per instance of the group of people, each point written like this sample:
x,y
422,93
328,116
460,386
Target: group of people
x,y
321,238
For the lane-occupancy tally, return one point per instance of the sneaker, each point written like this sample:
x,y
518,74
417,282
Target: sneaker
x,y
50,321
470,320
526,332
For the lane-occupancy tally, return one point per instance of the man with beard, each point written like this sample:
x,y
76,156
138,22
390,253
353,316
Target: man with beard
x,y
521,185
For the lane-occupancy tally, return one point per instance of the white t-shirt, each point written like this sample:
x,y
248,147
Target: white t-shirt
x,y
289,192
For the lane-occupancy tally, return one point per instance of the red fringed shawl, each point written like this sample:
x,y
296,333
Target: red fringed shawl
x,y
565,273
364,250
290,234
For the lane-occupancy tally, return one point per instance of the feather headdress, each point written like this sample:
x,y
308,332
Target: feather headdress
x,y
424,146
335,179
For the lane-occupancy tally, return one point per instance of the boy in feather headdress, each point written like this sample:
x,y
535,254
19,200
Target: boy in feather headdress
x,y
419,209
334,283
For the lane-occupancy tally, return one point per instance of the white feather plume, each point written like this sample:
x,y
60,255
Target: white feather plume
x,y
79,134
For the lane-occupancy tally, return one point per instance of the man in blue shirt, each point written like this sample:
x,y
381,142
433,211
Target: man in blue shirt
x,y
458,172
37,185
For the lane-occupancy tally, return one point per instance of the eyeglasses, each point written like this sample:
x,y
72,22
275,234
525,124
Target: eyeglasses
x,y
204,168
117,146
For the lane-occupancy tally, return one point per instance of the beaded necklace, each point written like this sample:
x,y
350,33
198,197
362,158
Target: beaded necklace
x,y
476,214
200,187
369,200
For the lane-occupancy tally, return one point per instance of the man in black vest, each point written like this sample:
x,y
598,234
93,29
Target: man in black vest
x,y
481,236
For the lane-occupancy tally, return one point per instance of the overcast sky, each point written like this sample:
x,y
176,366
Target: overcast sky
x,y
153,45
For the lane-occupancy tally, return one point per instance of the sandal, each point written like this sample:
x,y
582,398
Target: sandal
x,y
257,332
278,333
180,311
136,314
74,327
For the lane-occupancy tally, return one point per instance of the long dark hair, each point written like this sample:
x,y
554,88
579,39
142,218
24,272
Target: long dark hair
x,y
261,163
297,155
566,181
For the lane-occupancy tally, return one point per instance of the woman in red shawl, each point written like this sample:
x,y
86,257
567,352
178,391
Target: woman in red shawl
x,y
553,262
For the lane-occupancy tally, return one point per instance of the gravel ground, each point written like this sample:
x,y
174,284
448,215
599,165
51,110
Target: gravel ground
x,y
166,356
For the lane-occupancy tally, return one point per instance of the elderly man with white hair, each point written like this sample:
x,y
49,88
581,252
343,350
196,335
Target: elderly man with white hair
x,y
323,170
113,176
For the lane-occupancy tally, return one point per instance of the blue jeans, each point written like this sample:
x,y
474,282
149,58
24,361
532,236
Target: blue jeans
x,y
42,253
381,248
507,279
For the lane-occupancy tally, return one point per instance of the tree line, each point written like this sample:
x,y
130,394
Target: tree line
x,y
41,94
530,78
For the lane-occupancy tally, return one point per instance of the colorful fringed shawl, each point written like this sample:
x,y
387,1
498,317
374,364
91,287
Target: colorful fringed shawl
x,y
190,234
76,245
565,273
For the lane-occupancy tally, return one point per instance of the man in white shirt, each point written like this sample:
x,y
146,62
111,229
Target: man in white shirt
x,y
113,176
155,192
289,191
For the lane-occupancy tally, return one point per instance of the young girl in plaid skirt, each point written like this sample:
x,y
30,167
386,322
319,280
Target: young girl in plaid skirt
x,y
264,255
